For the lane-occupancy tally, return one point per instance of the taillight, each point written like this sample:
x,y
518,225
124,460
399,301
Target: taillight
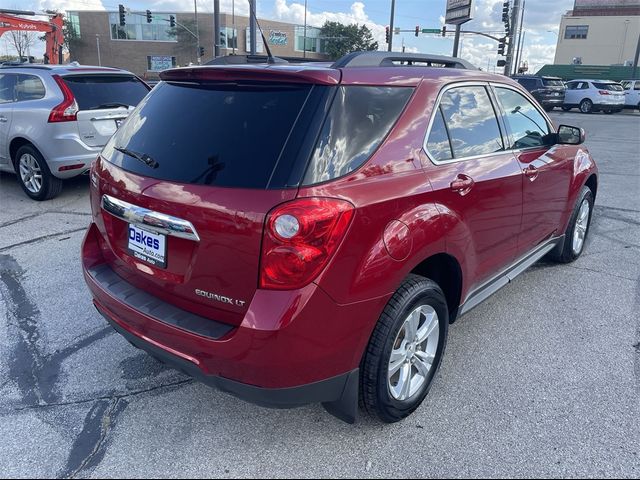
x,y
604,92
299,240
67,110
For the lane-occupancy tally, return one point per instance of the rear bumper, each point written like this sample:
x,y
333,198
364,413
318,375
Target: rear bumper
x,y
292,347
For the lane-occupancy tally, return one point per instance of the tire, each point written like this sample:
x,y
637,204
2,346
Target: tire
x,y
566,109
586,106
28,161
568,253
548,108
424,298
609,112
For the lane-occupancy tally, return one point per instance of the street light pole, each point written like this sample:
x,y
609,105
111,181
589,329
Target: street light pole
x,y
216,28
195,9
304,44
252,27
98,46
393,9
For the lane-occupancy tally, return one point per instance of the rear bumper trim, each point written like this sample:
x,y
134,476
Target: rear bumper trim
x,y
152,306
336,393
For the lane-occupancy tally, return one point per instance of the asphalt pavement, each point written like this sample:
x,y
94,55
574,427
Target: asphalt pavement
x,y
543,379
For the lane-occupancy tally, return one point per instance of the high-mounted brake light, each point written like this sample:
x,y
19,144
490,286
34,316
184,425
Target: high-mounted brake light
x,y
67,110
299,240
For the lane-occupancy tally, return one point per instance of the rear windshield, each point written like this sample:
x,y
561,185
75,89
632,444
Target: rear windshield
x,y
106,91
230,136
614,87
548,82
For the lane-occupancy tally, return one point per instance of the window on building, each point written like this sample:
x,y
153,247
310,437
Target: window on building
x,y
137,28
228,37
73,23
576,31
157,63
313,41
259,42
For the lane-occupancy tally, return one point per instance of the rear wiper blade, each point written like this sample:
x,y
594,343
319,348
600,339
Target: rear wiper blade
x,y
110,105
143,157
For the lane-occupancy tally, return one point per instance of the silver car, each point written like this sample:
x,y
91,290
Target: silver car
x,y
55,119
594,96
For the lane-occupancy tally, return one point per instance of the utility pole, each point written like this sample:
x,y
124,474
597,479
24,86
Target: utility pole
x,y
456,41
195,10
98,46
304,46
393,11
520,39
252,27
513,23
216,28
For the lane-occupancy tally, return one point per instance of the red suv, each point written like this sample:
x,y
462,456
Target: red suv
x,y
294,234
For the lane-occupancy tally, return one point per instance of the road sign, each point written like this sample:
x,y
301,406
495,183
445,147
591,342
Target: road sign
x,y
458,11
431,30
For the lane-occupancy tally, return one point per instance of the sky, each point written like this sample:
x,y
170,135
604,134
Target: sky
x,y
542,20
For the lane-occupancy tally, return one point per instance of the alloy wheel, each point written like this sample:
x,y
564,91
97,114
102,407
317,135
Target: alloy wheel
x,y
414,352
582,224
30,173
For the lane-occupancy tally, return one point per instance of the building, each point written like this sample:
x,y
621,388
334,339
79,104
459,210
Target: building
x,y
599,32
146,48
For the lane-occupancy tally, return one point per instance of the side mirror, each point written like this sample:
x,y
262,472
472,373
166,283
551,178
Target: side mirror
x,y
568,135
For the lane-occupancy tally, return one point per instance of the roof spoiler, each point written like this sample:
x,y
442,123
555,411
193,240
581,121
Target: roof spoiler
x,y
391,59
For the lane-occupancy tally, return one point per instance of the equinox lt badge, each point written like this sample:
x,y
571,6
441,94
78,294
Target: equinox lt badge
x,y
219,298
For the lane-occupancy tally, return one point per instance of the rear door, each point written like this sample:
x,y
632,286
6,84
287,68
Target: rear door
x,y
104,102
7,98
476,178
547,172
222,157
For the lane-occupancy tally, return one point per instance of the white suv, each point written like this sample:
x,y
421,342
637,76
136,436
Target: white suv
x,y
593,96
55,119
631,93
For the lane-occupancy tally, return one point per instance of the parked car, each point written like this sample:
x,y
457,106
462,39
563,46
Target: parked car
x,y
594,96
55,119
307,234
631,93
548,91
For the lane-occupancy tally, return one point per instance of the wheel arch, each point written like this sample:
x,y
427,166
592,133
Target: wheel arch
x,y
15,145
445,270
592,183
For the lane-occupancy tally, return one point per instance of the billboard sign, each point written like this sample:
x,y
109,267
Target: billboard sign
x,y
458,12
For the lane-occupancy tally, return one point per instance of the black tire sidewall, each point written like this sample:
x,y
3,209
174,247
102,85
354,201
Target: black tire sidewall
x,y
568,255
390,409
48,180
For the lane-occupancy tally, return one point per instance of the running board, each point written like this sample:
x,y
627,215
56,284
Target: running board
x,y
483,292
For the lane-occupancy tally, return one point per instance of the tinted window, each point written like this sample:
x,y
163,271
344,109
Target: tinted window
x,y
548,82
438,143
613,87
528,83
29,87
471,120
230,136
627,85
7,88
359,119
527,125
93,91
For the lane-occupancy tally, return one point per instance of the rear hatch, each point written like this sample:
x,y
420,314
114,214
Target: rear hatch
x,y
215,154
104,101
553,88
611,92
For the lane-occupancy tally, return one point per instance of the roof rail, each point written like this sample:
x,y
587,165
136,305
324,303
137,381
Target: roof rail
x,y
389,59
243,60
40,66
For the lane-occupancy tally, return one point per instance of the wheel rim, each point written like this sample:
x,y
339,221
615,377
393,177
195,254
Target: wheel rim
x,y
582,224
585,107
414,352
30,173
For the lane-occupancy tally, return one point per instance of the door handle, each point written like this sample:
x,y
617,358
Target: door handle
x,y
462,184
531,172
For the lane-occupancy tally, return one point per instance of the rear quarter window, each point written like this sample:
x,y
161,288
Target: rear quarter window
x,y
103,91
359,120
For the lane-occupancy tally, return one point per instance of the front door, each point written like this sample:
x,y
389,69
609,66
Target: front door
x,y
547,172
7,97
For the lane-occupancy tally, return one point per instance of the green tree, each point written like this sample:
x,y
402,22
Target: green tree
x,y
341,39
187,43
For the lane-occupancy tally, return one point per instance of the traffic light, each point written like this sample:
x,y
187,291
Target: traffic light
x,y
387,34
121,14
201,51
417,30
172,21
505,12
444,31
501,46
149,19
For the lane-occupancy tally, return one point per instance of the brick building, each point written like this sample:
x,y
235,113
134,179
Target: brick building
x,y
147,48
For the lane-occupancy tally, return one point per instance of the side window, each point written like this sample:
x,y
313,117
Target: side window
x,y
528,126
7,88
584,86
29,87
438,144
471,122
